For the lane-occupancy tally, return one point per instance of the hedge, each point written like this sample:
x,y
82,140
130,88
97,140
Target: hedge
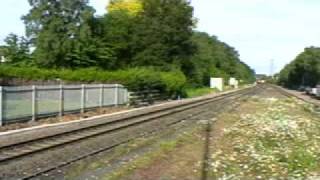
x,y
171,82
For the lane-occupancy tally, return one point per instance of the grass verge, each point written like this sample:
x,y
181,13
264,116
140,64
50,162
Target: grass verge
x,y
280,140
196,92
162,152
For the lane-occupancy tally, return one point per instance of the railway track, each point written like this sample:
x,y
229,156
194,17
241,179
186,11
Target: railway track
x,y
194,109
314,103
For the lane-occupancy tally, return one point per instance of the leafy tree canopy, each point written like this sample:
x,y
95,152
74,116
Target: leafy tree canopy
x,y
60,30
214,58
16,50
157,34
132,7
303,71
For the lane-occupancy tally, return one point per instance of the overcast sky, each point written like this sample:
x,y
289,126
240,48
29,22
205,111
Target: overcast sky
x,y
260,30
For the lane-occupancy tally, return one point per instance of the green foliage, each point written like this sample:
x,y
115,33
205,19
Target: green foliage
x,y
131,7
214,58
61,32
303,71
170,83
16,50
195,92
162,34
117,47
159,35
117,33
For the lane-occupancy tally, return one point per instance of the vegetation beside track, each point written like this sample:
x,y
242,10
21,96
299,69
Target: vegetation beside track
x,y
171,82
195,92
139,153
279,141
166,147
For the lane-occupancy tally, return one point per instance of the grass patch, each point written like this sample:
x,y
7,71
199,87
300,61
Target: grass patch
x,y
196,92
280,141
165,147
143,151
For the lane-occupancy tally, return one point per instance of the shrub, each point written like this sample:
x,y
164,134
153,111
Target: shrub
x,y
170,83
195,92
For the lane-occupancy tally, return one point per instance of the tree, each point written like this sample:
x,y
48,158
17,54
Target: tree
x,y
16,50
134,33
61,32
303,71
150,32
131,7
214,58
118,27
162,34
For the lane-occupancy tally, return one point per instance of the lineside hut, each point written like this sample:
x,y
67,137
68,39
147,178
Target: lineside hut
x,y
216,83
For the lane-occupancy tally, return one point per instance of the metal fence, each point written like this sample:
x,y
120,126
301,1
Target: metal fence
x,y
21,103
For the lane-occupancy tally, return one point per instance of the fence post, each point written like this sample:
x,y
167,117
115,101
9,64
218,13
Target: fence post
x,y
1,105
34,103
61,111
83,98
116,94
125,96
128,97
101,95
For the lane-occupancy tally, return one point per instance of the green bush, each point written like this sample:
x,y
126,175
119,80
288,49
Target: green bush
x,y
170,83
195,92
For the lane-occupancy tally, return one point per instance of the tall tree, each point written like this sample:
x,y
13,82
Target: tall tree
x,y
60,30
118,29
130,7
16,50
150,32
303,71
214,58
162,35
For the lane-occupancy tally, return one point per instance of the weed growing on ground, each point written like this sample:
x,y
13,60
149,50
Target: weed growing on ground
x,y
164,149
282,141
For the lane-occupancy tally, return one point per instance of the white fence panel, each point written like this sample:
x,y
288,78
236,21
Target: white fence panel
x,y
72,98
29,102
48,100
16,103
